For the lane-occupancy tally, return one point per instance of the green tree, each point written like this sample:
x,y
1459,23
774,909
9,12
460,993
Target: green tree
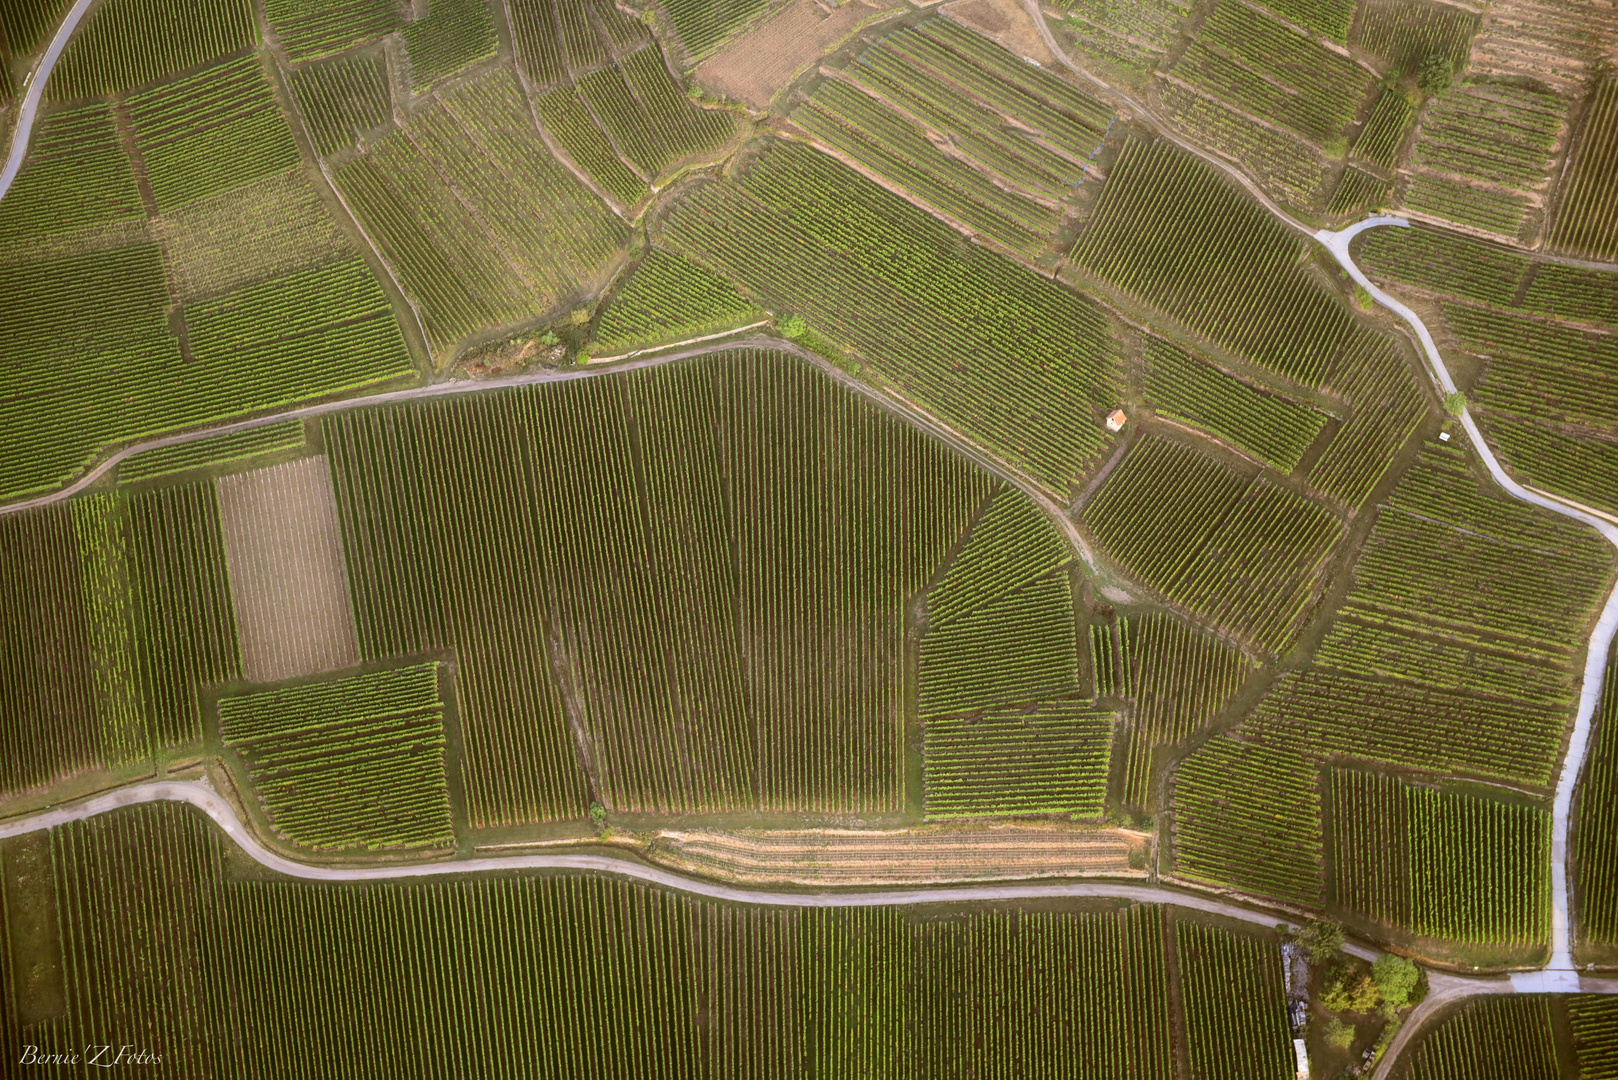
x,y
1339,1034
1344,994
1396,979
598,814
1455,403
794,327
1434,74
1321,939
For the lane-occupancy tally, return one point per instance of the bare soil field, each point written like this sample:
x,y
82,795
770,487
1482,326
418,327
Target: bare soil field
x,y
931,854
1559,43
1004,22
762,62
293,615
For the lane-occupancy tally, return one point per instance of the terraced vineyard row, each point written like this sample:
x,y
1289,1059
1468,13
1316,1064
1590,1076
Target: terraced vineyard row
x,y
1440,864
590,977
937,81
1244,554
1248,817
1169,231
1405,33
1260,65
1023,367
1184,387
1458,646
357,763
1388,403
669,298
1586,223
724,591
449,239
604,93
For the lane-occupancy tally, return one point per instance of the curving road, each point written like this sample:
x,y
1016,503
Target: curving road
x,y
202,795
1559,974
34,91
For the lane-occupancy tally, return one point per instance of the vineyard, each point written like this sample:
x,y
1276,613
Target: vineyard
x,y
116,611
1023,367
1133,38
1235,1004
704,25
582,976
1440,864
1585,224
668,298
1380,140
1179,679
604,93
1169,231
483,227
1045,758
203,454
1281,162
307,29
1184,387
130,43
718,585
451,37
1357,192
354,763
1244,554
1268,70
1404,32
1013,129
1490,1037
77,175
1457,648
1443,262
1501,136
343,99
1248,817
1595,828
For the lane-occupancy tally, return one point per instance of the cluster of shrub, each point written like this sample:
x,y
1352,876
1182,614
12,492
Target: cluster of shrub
x,y
1389,986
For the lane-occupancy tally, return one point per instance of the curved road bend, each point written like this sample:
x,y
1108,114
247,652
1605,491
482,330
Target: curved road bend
x,y
1559,974
35,91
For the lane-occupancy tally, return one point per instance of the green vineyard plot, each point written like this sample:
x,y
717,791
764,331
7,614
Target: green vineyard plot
x,y
355,763
667,299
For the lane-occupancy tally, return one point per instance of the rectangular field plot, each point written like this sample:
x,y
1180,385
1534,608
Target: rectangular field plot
x,y
1248,817
1048,758
1235,1003
1439,864
76,175
127,44
691,580
1595,830
286,571
1490,1036
1587,221
356,763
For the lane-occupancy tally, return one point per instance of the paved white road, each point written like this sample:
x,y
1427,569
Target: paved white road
x,y
34,91
1559,973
